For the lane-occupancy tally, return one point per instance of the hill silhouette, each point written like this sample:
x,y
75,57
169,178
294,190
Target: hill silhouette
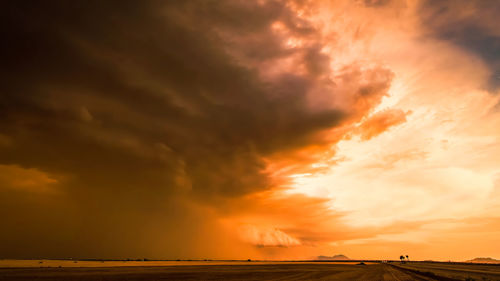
x,y
334,258
484,260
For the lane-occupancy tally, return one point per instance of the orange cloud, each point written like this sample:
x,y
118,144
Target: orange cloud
x,y
380,122
32,180
266,237
225,131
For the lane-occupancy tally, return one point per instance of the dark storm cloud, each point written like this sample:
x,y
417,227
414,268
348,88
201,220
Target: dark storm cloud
x,y
472,25
139,108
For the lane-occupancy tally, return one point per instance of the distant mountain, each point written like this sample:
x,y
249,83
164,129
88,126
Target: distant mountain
x,y
334,258
484,260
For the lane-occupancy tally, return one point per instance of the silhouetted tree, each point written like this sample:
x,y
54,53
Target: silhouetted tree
x,y
402,258
407,258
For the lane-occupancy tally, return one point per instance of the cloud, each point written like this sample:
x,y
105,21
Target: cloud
x,y
220,129
471,25
267,237
31,180
380,122
4,140
168,108
376,3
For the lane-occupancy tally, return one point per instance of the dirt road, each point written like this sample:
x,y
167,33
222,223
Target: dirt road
x,y
275,271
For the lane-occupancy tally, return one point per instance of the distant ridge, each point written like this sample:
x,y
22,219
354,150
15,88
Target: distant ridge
x,y
484,260
333,258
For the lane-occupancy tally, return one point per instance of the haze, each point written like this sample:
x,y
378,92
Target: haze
x,y
250,129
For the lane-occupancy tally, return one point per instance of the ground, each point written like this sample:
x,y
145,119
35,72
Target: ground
x,y
253,271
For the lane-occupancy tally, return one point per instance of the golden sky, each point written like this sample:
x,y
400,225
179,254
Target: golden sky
x,y
250,129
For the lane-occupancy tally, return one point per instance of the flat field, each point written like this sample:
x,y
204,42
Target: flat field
x,y
454,271
216,270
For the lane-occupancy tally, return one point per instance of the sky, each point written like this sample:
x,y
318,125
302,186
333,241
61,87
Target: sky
x,y
234,129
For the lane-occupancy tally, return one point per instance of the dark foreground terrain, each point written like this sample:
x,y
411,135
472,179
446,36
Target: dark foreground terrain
x,y
250,271
454,271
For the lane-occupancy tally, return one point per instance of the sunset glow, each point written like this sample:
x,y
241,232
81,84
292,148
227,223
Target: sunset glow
x,y
274,130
